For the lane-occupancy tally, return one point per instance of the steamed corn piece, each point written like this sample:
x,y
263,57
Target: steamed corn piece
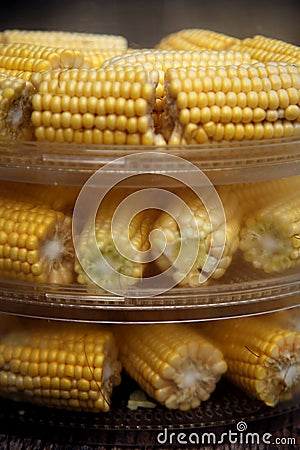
x,y
196,39
61,365
73,40
22,60
263,356
157,62
173,364
122,248
35,241
270,237
200,230
94,106
15,108
264,49
247,102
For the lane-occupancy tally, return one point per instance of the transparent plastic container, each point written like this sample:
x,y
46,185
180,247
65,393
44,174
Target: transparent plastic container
x,y
74,179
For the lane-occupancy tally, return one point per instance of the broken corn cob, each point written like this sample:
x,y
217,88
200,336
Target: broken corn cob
x,y
263,357
172,363
263,48
196,39
159,61
124,260
270,237
35,241
94,106
250,101
15,108
185,271
61,365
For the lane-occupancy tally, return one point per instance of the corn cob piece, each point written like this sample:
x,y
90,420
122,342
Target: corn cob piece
x,y
35,241
101,106
265,49
270,237
196,39
19,59
61,365
263,357
66,39
173,364
255,101
159,61
127,262
15,108
185,271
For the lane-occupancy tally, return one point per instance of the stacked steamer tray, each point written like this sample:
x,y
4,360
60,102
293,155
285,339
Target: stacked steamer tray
x,y
150,244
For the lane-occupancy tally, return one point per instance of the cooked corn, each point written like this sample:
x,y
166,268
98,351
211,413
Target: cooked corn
x,y
159,61
101,106
186,271
172,363
23,60
270,237
61,365
250,101
196,39
73,40
35,241
265,49
263,357
126,262
15,108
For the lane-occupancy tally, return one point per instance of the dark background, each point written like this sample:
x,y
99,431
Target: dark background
x,y
145,23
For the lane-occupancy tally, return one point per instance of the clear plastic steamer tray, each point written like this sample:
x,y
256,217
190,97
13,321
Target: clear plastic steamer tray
x,y
242,290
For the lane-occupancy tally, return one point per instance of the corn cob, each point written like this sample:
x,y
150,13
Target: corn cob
x,y
196,39
23,60
101,106
127,262
185,271
263,357
66,39
266,49
159,61
270,237
257,101
61,365
172,363
15,107
35,241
